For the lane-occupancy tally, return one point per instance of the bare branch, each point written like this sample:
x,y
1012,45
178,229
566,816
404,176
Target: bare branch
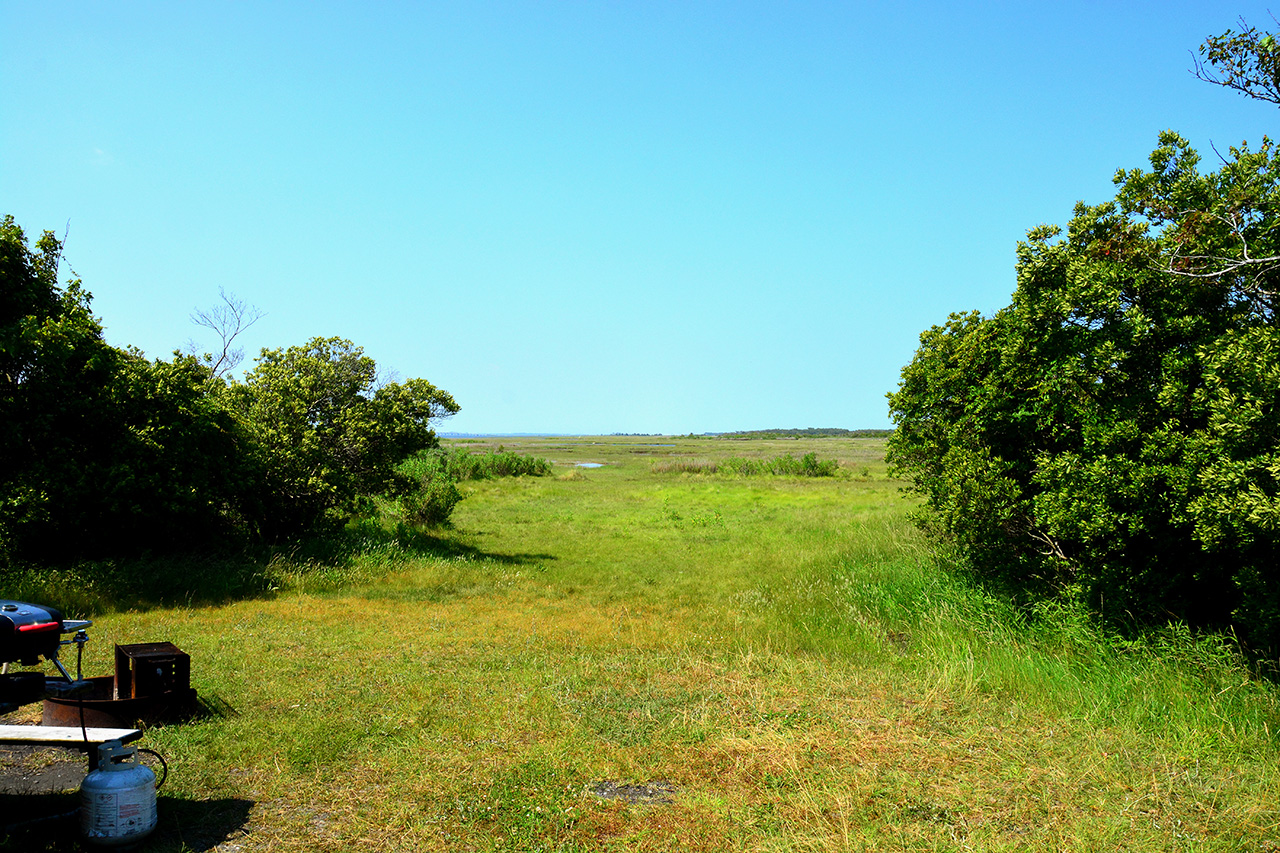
x,y
227,321
385,377
1217,266
1052,549
62,248
1225,161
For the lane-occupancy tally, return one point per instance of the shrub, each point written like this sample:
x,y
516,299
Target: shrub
x,y
1113,432
431,503
328,435
426,491
102,452
499,463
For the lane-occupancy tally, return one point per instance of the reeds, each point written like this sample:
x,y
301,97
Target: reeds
x,y
461,465
785,465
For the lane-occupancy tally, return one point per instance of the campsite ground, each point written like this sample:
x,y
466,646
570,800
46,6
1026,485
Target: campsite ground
x,y
635,657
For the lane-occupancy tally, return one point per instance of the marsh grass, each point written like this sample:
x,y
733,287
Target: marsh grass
x,y
808,465
428,491
685,466
786,658
459,464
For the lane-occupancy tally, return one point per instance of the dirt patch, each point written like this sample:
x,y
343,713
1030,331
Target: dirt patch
x,y
657,791
39,801
40,770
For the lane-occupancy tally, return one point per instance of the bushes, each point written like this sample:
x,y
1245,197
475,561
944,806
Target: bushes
x,y
427,490
463,465
104,453
1113,434
327,435
786,465
430,502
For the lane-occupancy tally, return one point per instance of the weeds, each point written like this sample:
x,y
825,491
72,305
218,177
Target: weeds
x,y
684,466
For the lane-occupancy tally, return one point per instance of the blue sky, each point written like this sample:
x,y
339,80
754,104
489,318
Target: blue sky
x,y
588,217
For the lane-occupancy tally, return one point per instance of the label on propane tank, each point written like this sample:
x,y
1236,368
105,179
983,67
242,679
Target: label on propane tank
x,y
117,814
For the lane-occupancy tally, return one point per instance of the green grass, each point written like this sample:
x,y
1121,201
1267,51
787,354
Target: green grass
x,y
785,655
808,465
460,464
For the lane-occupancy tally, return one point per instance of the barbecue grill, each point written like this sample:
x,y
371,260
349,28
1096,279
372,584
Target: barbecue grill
x,y
29,632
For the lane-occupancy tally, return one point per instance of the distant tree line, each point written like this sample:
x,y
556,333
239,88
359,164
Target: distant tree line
x,y
104,452
1113,435
811,432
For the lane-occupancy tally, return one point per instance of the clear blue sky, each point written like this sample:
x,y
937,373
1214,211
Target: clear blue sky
x,y
588,217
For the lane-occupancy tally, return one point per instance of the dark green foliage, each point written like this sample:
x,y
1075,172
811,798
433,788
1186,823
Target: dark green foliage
x,y
102,451
1114,433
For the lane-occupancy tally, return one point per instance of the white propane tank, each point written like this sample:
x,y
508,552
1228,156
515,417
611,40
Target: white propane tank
x,y
118,800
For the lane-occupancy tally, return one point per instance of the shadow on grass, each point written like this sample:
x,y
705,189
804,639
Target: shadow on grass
x,y
90,587
51,823
373,542
425,545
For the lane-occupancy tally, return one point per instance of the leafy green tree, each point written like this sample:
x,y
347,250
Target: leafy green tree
x,y
105,453
102,451
326,434
1114,433
49,345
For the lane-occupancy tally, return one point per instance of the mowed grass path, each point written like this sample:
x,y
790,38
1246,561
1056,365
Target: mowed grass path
x,y
770,663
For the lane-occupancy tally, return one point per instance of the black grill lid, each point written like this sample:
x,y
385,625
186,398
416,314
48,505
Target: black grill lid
x,y
28,631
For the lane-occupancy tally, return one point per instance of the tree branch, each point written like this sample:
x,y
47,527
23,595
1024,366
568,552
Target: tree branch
x,y
227,321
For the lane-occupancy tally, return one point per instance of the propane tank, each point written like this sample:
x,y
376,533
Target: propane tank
x,y
118,800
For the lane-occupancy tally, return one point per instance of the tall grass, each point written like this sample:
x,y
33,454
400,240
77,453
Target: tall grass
x,y
1195,692
786,465
462,465
685,466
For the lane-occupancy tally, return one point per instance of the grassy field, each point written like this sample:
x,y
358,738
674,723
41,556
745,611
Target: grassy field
x,y
637,656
